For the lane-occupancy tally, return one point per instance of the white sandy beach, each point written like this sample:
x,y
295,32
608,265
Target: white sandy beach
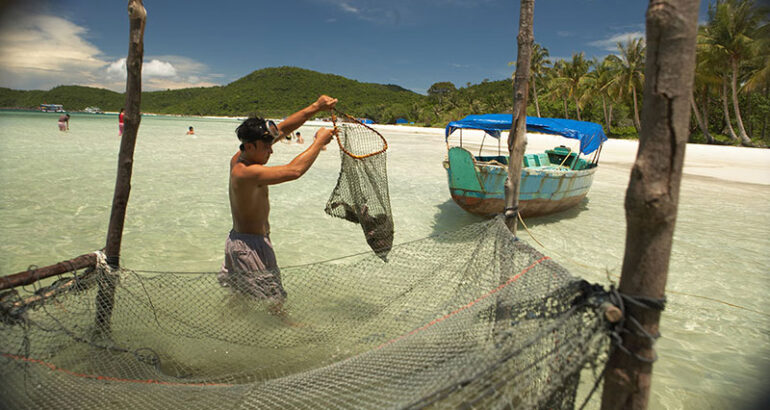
x,y
729,163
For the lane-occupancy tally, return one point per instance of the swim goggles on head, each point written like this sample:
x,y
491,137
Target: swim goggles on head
x,y
271,130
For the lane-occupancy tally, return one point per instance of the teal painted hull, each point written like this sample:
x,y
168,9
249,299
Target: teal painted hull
x,y
479,186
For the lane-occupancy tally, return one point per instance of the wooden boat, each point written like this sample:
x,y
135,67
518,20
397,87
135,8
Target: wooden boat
x,y
551,181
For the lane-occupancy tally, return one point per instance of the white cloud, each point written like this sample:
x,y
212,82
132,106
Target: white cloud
x,y
45,47
347,7
152,68
393,12
43,51
373,11
160,73
611,44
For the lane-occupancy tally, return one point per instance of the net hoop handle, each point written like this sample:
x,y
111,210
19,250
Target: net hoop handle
x,y
352,119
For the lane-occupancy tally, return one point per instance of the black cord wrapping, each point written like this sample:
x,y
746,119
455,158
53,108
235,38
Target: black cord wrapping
x,y
617,329
622,300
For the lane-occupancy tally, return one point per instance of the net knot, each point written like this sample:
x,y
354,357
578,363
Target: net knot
x,y
101,260
511,211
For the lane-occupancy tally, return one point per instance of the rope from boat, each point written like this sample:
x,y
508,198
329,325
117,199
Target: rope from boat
x,y
566,157
596,268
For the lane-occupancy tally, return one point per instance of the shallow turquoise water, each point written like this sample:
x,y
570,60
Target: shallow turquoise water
x,y
56,192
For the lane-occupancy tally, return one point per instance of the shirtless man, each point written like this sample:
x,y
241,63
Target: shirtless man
x,y
250,266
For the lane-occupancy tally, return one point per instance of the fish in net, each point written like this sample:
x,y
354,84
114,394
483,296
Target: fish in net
x,y
361,195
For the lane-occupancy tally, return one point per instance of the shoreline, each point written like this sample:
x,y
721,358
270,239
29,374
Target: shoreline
x,y
723,162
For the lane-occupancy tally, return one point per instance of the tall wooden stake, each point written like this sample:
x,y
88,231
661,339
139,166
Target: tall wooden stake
x,y
653,191
106,297
517,136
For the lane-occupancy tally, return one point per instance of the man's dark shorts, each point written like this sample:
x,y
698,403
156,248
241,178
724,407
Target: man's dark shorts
x,y
250,267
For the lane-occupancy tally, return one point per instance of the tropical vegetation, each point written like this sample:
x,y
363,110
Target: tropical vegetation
x,y
730,102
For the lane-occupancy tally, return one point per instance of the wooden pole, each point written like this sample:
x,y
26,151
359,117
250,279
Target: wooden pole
x,y
517,136
33,275
106,296
653,193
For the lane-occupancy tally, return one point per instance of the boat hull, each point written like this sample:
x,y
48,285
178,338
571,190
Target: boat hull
x,y
479,187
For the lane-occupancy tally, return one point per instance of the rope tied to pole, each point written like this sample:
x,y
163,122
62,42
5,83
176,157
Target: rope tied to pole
x,y
622,300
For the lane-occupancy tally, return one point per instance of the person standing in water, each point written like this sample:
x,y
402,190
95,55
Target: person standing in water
x,y
299,138
250,266
64,122
120,122
190,131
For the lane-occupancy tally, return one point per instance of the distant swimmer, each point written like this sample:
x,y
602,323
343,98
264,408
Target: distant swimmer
x,y
120,122
190,131
64,122
250,266
299,138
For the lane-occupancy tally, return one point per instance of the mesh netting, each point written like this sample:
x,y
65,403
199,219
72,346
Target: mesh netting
x,y
468,318
361,195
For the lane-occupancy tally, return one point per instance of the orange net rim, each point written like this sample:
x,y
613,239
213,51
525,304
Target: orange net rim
x,y
335,112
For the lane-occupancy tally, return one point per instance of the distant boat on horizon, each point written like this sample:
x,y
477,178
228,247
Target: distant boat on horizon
x,y
93,110
51,108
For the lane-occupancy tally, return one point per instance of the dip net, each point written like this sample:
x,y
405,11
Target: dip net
x,y
361,195
471,318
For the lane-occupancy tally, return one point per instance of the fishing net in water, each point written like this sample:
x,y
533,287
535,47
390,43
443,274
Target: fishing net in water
x,y
361,195
469,318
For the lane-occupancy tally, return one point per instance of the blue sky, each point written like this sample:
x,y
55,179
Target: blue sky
x,y
411,43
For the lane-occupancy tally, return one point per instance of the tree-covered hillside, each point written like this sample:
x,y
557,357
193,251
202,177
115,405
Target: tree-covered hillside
x,y
273,92
72,97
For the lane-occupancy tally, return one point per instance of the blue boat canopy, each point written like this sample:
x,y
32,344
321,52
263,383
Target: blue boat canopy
x,y
590,134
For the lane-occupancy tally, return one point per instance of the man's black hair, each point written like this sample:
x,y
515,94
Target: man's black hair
x,y
253,129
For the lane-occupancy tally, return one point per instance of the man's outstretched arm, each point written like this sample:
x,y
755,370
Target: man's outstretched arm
x,y
270,175
294,121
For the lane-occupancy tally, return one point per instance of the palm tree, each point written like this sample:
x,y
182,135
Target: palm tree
x,y
706,75
557,87
730,32
574,78
537,69
599,83
759,75
630,72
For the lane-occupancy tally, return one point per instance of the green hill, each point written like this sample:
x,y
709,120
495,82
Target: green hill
x,y
273,92
279,91
72,97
